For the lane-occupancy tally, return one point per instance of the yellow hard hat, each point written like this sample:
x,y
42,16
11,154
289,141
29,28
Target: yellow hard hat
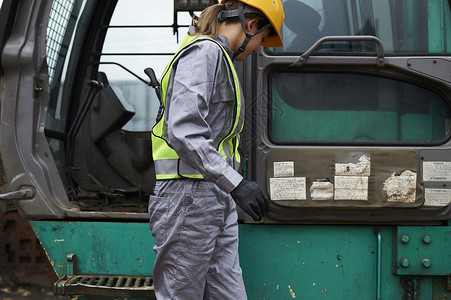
x,y
273,10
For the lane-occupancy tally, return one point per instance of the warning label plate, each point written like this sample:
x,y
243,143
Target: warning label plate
x,y
436,171
351,188
288,188
437,197
283,168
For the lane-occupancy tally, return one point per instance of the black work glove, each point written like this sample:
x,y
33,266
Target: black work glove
x,y
250,197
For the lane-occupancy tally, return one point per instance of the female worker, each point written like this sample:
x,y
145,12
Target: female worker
x,y
195,148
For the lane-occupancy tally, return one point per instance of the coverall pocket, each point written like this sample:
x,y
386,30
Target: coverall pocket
x,y
206,215
158,211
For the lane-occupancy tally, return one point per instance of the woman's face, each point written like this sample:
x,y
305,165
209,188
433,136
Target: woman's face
x,y
255,41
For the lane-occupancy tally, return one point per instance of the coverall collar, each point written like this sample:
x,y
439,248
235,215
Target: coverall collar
x,y
221,39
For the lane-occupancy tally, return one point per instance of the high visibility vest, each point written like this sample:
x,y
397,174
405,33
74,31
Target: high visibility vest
x,y
167,162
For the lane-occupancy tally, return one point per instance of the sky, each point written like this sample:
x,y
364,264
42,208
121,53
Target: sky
x,y
137,12
142,12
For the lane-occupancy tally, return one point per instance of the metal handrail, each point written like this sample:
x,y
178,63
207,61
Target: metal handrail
x,y
380,50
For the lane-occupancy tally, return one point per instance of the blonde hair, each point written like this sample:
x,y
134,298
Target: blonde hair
x,y
208,23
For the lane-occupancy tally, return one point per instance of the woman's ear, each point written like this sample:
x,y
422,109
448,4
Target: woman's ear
x,y
252,25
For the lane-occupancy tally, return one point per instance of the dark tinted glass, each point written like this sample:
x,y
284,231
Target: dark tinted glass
x,y
404,26
338,107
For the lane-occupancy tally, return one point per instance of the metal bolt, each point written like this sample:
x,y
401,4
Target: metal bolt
x,y
427,238
70,257
404,262
426,262
405,238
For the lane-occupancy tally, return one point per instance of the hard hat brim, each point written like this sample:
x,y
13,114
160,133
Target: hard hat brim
x,y
273,41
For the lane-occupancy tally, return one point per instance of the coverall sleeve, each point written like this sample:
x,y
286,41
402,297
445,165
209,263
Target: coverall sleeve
x,y
194,79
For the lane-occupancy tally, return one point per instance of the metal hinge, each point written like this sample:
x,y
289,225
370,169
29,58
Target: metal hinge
x,y
17,195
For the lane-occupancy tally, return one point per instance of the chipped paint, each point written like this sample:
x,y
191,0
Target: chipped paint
x,y
291,292
351,188
59,240
283,168
288,188
401,187
436,171
322,190
89,239
362,168
437,197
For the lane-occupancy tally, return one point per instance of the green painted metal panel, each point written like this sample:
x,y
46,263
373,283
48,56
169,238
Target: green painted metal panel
x,y
316,262
423,250
81,297
99,247
278,261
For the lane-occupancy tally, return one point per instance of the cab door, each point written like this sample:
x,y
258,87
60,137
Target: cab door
x,y
353,113
30,174
76,108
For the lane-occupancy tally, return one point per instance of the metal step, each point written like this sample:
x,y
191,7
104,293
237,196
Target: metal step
x,y
105,285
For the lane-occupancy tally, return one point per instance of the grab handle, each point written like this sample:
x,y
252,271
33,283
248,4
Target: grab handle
x,y
378,264
361,38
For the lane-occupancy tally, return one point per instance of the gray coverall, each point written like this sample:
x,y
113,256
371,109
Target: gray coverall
x,y
194,222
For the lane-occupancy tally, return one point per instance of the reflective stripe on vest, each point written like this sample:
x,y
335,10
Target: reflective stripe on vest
x,y
167,163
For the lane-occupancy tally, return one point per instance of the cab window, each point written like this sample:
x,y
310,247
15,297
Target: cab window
x,y
137,38
354,108
404,26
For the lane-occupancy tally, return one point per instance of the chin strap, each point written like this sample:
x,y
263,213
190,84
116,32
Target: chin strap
x,y
242,9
